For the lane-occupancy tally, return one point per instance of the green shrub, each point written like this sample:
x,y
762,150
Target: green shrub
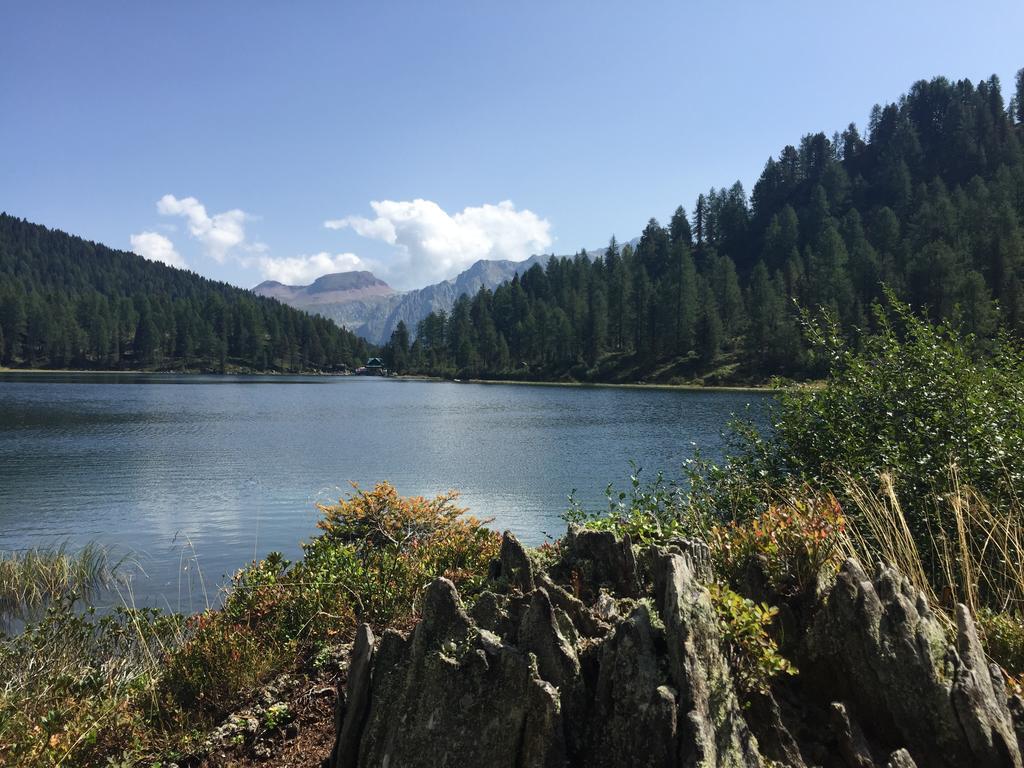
x,y
911,401
384,549
218,662
78,688
752,653
1003,633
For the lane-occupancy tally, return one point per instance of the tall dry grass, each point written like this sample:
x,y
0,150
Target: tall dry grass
x,y
972,552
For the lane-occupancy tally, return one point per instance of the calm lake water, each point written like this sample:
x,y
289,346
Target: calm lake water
x,y
195,476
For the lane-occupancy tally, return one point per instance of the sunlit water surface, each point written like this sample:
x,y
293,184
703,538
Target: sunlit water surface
x,y
195,476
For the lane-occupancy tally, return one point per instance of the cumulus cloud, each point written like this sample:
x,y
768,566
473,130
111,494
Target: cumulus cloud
x,y
302,270
218,233
156,247
434,245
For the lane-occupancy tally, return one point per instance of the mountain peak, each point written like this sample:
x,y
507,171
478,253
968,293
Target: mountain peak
x,y
347,281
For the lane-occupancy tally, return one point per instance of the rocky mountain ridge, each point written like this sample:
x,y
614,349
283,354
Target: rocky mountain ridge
x,y
347,298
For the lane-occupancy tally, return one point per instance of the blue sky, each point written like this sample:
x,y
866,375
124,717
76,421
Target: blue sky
x,y
250,140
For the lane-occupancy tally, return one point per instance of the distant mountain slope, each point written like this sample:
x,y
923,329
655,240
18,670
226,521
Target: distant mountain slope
x,y
341,286
67,302
370,308
347,298
413,306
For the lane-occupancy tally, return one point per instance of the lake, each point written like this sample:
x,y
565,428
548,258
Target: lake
x,y
197,475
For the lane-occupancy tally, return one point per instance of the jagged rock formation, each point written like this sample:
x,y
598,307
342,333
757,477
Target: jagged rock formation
x,y
614,657
886,654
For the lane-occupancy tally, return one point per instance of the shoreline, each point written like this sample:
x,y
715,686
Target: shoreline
x,y
95,372
606,384
415,377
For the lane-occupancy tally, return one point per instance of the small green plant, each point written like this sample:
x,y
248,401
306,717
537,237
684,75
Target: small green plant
x,y
217,662
753,654
651,513
547,554
1004,639
276,716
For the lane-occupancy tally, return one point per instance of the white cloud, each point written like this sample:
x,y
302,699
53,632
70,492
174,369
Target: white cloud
x,y
302,270
376,229
156,247
218,233
433,245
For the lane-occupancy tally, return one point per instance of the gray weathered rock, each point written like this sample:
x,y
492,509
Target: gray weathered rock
x,y
514,566
583,619
712,730
455,695
901,759
979,699
882,650
540,635
602,559
634,716
775,740
853,746
355,702
535,689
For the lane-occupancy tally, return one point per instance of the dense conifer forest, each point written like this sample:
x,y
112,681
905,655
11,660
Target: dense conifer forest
x,y
69,303
929,201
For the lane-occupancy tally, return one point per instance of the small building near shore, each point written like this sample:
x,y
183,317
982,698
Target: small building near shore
x,y
374,367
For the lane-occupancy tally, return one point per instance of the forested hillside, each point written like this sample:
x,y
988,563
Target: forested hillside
x,y
929,201
69,303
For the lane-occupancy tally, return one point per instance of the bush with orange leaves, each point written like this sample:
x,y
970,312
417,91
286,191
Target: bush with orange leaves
x,y
795,540
387,548
377,554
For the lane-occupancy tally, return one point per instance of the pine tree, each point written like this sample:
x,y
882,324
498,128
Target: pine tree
x,y
1020,96
597,333
396,352
729,297
709,325
653,249
679,230
699,217
687,304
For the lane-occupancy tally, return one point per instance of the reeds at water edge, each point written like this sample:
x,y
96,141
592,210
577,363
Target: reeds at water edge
x,y
32,579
